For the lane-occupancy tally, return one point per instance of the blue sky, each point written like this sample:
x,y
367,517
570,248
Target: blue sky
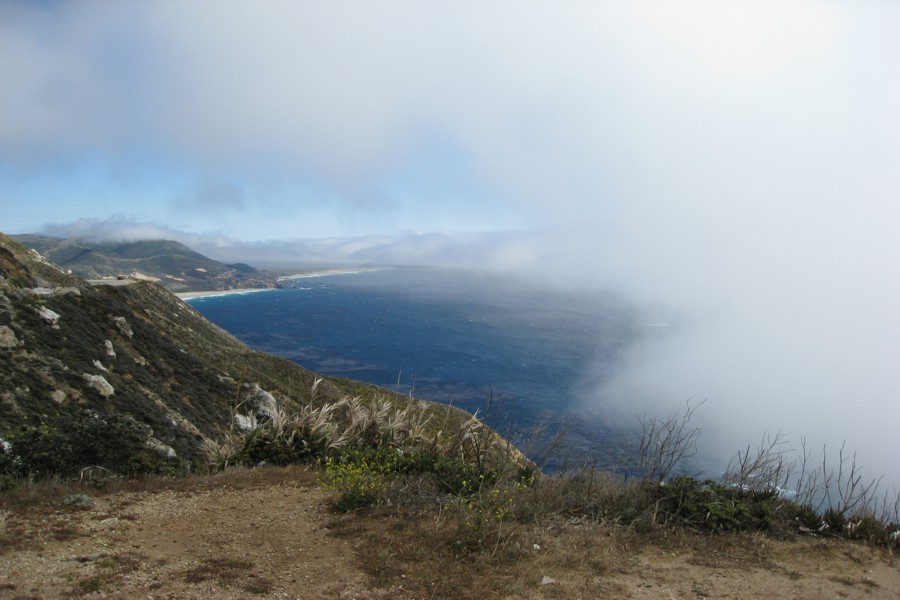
x,y
737,161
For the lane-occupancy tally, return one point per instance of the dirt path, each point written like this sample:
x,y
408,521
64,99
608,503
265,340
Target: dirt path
x,y
252,536
237,540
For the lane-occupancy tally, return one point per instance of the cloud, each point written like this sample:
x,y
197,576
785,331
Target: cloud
x,y
212,197
495,251
120,229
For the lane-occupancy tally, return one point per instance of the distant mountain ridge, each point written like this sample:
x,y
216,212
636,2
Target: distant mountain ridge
x,y
174,265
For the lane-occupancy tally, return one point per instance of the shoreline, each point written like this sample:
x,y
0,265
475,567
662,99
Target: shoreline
x,y
322,273
336,271
194,295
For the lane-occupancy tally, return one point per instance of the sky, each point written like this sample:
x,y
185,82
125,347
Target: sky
x,y
737,163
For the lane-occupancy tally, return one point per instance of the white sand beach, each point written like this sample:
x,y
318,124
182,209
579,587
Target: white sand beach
x,y
194,295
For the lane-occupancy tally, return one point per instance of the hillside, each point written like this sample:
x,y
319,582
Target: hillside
x,y
174,265
68,347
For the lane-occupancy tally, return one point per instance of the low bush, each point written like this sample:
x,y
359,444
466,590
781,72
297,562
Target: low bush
x,y
66,443
708,505
361,475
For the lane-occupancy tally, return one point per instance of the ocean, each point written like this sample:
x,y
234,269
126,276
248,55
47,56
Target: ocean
x,y
522,355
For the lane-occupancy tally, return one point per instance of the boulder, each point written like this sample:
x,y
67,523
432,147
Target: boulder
x,y
123,326
48,315
261,402
99,383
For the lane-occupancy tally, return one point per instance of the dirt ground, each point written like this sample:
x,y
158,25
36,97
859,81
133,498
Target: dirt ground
x,y
272,535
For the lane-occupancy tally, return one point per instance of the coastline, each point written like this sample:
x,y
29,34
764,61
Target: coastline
x,y
194,295
326,272
321,273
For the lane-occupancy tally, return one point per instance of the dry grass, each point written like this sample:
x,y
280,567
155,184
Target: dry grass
x,y
513,564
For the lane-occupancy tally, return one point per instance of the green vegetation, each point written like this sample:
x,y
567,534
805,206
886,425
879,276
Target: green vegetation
x,y
66,444
380,455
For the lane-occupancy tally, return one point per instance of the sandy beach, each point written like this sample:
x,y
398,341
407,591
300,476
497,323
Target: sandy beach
x,y
310,274
324,272
194,295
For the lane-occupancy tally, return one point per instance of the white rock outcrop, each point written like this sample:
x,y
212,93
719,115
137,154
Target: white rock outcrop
x,y
123,326
110,351
65,291
161,449
38,291
261,402
99,383
245,423
48,315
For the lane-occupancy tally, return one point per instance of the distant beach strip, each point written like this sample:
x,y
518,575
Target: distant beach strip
x,y
325,272
188,296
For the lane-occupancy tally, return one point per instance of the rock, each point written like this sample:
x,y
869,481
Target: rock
x,y
99,383
100,366
123,326
548,581
161,449
82,500
245,422
8,338
58,396
65,291
261,402
48,315
38,291
110,351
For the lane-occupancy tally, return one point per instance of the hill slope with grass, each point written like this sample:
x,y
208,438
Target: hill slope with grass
x,y
129,377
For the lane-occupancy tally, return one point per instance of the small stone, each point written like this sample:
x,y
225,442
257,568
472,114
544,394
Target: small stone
x,y
548,580
78,500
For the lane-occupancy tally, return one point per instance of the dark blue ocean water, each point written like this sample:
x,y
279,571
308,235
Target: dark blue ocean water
x,y
452,337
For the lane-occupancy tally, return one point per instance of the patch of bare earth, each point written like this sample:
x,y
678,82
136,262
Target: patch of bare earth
x,y
269,533
248,535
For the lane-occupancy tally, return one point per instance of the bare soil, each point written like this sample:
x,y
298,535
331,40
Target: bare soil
x,y
270,534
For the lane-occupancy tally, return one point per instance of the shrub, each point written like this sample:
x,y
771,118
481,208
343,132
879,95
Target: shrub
x,y
358,477
708,505
483,507
66,443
